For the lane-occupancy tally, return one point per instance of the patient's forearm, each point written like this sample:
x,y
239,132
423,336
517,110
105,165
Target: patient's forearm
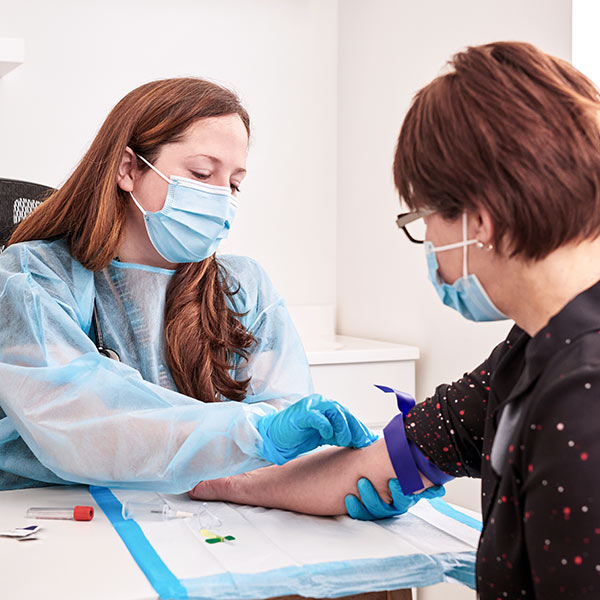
x,y
315,484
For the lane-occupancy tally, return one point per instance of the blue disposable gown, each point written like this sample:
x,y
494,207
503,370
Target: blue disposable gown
x,y
68,414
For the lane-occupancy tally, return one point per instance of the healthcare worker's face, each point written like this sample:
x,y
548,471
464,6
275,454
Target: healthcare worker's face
x,y
212,150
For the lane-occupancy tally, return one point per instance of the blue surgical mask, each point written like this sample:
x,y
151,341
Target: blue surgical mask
x,y
196,216
466,295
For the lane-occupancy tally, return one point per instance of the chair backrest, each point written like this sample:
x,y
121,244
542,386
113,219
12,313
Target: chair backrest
x,y
17,200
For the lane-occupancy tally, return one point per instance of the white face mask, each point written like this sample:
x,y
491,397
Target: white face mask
x,y
196,216
466,295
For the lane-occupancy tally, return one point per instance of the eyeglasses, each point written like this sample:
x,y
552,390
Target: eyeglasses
x,y
413,225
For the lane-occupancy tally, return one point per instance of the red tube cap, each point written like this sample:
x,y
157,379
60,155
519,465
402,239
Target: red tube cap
x,y
83,513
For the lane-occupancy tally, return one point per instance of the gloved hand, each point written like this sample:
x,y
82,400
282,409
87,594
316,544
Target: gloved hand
x,y
307,424
373,507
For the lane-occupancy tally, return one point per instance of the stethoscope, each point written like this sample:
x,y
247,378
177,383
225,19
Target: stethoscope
x,y
108,352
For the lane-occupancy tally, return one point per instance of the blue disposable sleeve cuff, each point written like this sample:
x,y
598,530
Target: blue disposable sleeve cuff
x,y
427,468
402,459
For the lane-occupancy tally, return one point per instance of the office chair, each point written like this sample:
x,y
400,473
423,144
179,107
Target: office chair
x,y
17,200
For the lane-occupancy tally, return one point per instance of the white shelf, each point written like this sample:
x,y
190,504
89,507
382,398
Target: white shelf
x,y
344,349
12,54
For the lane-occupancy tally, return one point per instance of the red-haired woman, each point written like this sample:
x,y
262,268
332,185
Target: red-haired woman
x,y
501,158
129,354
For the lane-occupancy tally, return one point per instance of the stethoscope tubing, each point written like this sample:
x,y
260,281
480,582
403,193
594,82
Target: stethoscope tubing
x,y
108,352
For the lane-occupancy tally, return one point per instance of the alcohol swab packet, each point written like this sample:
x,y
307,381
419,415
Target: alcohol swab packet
x,y
20,532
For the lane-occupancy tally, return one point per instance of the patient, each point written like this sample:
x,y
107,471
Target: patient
x,y
500,157
315,484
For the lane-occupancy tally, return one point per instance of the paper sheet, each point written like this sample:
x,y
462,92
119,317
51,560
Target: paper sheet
x,y
279,552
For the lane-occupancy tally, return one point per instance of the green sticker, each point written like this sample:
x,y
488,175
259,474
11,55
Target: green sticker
x,y
217,538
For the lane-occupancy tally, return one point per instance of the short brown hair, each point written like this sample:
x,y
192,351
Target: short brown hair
x,y
513,130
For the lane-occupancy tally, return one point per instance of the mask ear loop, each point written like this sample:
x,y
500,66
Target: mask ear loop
x,y
454,245
142,210
154,168
157,172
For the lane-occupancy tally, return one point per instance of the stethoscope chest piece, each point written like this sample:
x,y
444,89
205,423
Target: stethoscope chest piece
x,y
112,354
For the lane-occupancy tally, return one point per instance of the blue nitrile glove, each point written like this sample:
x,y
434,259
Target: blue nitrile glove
x,y
307,424
373,507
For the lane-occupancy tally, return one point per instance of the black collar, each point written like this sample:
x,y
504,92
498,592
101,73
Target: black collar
x,y
579,317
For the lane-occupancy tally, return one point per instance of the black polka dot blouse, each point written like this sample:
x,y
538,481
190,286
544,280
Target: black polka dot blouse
x,y
527,422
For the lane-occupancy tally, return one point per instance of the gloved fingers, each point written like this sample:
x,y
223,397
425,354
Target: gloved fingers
x,y
312,400
395,488
373,502
361,435
356,510
400,499
313,419
341,429
433,492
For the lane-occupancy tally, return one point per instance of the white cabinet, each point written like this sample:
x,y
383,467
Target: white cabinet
x,y
12,54
347,369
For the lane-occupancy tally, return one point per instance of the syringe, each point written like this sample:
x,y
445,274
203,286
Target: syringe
x,y
161,511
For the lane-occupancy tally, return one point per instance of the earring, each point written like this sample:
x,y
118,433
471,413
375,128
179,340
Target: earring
x,y
483,246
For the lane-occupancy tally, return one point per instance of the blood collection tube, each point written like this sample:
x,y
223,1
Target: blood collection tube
x,y
75,513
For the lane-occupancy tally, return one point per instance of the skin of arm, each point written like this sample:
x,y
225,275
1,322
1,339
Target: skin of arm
x,y
314,484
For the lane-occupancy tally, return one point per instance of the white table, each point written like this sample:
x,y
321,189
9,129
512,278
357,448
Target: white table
x,y
78,560
71,560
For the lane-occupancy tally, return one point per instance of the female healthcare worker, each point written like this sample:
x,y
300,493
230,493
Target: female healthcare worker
x,y
501,157
120,263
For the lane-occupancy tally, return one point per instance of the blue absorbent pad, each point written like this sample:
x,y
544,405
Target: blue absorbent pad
x,y
277,553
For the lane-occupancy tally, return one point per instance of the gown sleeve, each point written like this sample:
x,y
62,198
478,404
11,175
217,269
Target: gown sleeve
x,y
92,420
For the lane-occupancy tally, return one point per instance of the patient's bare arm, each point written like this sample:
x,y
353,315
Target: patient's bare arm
x,y
314,484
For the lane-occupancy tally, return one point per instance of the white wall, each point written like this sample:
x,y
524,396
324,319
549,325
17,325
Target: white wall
x,y
586,42
81,57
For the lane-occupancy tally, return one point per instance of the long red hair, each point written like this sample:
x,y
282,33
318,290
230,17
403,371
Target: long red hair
x,y
204,335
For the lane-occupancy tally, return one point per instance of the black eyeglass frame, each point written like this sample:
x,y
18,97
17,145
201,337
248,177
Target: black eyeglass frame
x,y
404,219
